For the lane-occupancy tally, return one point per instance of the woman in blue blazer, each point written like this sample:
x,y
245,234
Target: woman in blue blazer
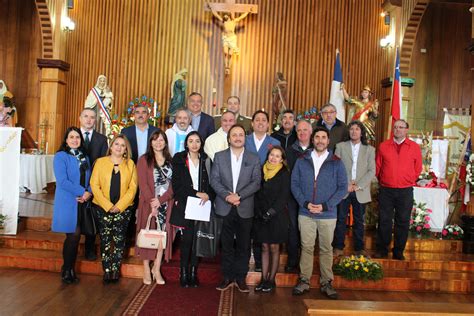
x,y
72,171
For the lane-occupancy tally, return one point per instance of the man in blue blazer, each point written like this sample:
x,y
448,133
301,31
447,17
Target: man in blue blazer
x,y
139,133
201,122
235,178
259,143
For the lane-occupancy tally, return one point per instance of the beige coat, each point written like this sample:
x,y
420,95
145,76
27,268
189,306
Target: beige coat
x,y
365,171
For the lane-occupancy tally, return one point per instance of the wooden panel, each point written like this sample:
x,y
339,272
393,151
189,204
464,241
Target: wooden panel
x,y
139,45
19,48
442,74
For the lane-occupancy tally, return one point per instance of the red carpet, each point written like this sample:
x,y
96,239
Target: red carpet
x,y
173,300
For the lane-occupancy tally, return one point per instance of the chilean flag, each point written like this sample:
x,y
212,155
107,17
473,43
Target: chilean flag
x,y
336,97
396,92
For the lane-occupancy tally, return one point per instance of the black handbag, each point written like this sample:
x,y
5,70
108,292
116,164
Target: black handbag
x,y
88,219
207,236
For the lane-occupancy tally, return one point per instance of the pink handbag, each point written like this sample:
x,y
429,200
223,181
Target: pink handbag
x,y
151,238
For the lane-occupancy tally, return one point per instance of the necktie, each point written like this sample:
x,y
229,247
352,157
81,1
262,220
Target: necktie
x,y
87,140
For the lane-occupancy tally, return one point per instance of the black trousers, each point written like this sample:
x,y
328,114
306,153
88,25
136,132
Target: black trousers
x,y
293,245
235,259
187,247
394,204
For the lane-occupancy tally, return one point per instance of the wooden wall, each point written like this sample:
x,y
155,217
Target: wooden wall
x,y
442,74
20,46
139,45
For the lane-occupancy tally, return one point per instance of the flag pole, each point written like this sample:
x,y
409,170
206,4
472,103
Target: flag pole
x,y
389,128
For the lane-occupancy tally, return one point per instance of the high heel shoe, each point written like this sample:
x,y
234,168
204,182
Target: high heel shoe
x,y
146,278
157,276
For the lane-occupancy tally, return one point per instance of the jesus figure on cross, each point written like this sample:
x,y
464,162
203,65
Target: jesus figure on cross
x,y
229,38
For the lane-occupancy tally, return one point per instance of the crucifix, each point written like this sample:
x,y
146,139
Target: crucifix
x,y
226,14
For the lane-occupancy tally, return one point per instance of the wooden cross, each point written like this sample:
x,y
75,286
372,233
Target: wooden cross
x,y
229,38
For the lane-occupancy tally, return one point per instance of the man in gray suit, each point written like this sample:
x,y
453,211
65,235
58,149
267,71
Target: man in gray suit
x,y
359,161
235,178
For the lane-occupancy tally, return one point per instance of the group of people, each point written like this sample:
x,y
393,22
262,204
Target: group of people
x,y
290,187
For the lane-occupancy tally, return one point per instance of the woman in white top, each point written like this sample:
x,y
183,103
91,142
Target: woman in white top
x,y
190,178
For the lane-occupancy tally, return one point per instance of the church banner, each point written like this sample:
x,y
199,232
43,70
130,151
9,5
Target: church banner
x,y
10,138
456,126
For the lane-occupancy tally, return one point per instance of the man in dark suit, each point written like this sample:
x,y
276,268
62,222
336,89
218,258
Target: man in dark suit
x,y
235,178
96,146
139,133
201,122
338,131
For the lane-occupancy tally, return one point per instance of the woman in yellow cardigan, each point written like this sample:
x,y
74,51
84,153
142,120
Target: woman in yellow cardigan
x,y
114,184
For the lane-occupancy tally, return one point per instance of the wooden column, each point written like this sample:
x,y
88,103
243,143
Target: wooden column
x,y
385,106
52,101
470,206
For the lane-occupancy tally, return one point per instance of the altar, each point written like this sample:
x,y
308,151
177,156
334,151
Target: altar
x,y
437,200
36,171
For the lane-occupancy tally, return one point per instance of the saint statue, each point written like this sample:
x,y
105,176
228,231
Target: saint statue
x,y
280,97
363,109
178,94
229,38
100,99
8,108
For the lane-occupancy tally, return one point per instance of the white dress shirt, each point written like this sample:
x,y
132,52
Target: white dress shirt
x,y
194,172
355,154
236,165
318,161
258,143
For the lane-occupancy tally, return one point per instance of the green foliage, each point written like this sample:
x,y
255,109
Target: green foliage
x,y
358,268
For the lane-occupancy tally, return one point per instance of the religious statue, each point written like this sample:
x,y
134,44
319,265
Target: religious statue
x,y
100,99
8,107
178,94
426,152
229,38
363,109
280,97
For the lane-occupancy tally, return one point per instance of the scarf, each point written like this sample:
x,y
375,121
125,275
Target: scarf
x,y
80,158
270,170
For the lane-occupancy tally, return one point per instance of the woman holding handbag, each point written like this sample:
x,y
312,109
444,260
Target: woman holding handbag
x,y
271,224
114,184
72,171
190,178
156,198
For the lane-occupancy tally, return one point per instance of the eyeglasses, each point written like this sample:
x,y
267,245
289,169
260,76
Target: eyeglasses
x,y
329,112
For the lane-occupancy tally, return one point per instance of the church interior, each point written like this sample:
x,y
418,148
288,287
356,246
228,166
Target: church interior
x,y
57,56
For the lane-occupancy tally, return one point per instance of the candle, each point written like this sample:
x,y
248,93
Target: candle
x,y
154,109
46,149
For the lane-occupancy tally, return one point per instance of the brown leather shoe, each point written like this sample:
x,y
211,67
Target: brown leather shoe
x,y
242,286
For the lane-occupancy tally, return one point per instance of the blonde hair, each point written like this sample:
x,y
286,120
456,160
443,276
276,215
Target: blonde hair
x,y
128,153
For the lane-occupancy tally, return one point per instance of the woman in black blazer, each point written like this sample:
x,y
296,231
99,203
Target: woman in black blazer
x,y
271,224
190,178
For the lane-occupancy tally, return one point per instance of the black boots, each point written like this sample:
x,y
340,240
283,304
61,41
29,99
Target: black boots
x,y
193,279
183,277
68,276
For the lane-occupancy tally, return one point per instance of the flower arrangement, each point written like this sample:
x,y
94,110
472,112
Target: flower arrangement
x,y
452,232
420,217
470,171
3,218
358,268
311,115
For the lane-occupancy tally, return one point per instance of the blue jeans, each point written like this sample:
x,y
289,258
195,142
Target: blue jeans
x,y
358,211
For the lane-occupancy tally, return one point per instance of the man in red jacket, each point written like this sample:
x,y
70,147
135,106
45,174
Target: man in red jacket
x,y
398,165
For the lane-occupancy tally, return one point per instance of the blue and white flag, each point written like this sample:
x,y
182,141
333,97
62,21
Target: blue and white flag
x,y
337,98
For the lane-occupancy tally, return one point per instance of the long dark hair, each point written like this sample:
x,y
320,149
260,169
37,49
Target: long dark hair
x,y
64,146
201,149
150,153
363,132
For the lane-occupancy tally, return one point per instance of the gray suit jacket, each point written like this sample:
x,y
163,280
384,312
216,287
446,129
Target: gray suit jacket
x,y
247,185
365,171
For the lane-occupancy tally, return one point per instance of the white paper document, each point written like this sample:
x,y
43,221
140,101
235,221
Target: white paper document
x,y
196,211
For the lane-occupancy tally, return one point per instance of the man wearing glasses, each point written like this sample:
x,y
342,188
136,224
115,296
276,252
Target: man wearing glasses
x,y
398,165
338,131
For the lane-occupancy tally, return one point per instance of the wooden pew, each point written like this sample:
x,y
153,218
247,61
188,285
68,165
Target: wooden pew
x,y
329,307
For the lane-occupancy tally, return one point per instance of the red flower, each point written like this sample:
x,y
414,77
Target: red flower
x,y
144,103
269,146
444,232
456,233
